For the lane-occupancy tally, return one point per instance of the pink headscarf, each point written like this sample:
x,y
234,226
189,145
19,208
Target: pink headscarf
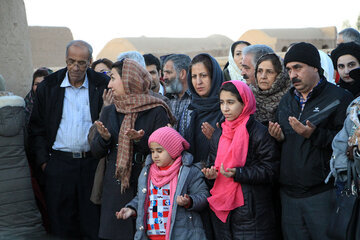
x,y
226,194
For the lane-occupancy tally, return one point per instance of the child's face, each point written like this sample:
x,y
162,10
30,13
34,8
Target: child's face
x,y
159,155
230,106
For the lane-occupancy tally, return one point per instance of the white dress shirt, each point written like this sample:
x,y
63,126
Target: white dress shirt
x,y
76,119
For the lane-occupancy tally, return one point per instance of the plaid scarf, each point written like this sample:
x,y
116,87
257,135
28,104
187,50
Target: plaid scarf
x,y
136,81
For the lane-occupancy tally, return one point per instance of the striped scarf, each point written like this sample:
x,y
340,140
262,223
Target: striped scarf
x,y
136,81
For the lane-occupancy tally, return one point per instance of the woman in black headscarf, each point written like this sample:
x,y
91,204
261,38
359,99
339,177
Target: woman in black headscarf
x,y
38,77
346,57
204,80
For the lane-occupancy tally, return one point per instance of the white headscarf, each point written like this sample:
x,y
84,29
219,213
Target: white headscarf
x,y
235,72
327,66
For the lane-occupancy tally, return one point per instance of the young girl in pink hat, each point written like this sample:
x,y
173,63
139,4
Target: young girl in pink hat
x,y
171,191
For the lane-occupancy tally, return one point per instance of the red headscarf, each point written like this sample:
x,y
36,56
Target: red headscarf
x,y
232,152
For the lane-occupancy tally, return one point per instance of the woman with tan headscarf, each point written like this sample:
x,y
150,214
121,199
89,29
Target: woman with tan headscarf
x,y
272,82
123,131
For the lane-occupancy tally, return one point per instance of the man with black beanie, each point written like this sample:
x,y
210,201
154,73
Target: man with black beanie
x,y
309,116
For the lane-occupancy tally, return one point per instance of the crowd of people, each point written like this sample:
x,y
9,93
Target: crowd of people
x,y
178,148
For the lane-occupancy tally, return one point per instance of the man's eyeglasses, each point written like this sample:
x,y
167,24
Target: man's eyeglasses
x,y
72,63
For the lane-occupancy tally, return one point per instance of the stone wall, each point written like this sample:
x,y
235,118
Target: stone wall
x,y
15,51
48,45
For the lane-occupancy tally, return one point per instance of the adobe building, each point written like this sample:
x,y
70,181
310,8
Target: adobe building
x,y
280,39
215,45
48,46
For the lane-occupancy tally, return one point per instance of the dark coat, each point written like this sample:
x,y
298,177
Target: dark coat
x,y
256,177
305,162
112,199
205,109
48,106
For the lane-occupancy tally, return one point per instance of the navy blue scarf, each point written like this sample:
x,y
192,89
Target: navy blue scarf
x,y
204,110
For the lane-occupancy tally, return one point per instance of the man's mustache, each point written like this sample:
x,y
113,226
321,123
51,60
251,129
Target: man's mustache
x,y
245,76
295,80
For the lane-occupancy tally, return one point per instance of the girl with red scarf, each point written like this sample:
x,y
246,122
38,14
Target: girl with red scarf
x,y
246,165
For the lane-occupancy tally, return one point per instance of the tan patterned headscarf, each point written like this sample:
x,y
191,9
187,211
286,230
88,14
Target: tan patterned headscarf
x,y
136,81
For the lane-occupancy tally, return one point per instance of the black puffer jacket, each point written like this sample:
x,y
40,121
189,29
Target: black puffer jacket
x,y
256,177
305,162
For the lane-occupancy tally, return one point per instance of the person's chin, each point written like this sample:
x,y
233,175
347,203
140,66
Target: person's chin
x,y
300,89
76,77
348,80
228,117
200,91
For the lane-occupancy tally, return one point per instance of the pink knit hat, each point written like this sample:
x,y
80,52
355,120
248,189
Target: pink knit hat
x,y
169,139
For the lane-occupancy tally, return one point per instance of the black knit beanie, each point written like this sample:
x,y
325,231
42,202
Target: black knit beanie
x,y
305,53
350,48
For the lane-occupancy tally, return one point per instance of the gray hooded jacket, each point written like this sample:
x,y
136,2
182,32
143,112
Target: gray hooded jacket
x,y
19,215
185,223
339,159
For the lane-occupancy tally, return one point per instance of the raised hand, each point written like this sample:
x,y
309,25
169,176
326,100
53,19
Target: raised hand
x,y
300,128
210,173
103,131
230,172
107,97
275,131
134,135
207,130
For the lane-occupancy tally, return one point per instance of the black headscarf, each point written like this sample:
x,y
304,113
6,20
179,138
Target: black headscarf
x,y
29,98
353,49
205,109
